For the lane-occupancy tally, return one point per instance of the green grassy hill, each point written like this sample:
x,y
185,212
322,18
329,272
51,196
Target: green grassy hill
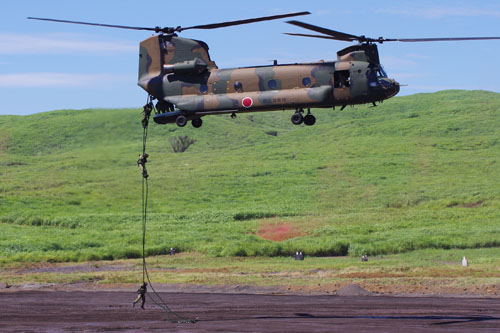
x,y
415,172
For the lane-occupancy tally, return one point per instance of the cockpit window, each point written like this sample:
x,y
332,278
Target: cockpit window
x,y
381,72
374,74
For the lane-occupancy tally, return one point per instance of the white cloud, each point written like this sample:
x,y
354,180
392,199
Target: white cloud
x,y
436,12
406,75
322,12
417,56
430,88
397,62
11,43
61,80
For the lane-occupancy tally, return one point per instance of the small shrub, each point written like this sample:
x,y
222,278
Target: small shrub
x,y
246,216
259,174
181,143
272,133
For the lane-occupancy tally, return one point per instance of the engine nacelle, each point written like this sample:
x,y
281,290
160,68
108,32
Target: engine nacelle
x,y
189,67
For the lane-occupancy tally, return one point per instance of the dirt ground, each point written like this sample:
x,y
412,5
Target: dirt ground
x,y
102,310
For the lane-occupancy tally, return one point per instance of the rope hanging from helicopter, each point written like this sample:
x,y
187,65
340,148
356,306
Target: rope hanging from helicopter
x,y
155,297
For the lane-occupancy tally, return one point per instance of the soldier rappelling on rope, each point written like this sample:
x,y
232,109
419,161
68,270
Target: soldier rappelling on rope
x,y
146,113
141,164
141,292
141,295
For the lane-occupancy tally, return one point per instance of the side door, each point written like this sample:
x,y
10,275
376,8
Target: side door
x,y
359,81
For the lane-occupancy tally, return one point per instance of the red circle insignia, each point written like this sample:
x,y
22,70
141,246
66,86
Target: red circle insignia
x,y
247,102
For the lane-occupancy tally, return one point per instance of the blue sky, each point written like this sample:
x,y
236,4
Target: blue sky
x,y
47,66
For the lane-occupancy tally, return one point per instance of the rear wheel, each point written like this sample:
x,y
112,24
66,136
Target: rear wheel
x,y
197,122
297,118
181,121
309,120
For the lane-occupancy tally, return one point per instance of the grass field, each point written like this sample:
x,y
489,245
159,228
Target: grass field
x,y
416,173
430,271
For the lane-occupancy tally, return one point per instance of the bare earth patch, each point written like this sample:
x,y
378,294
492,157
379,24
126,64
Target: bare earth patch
x,y
473,204
353,290
105,311
313,276
278,231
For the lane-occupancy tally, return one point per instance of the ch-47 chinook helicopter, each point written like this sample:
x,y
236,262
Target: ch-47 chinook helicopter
x,y
187,84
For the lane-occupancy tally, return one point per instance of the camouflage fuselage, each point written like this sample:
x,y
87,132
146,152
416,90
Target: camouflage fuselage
x,y
180,72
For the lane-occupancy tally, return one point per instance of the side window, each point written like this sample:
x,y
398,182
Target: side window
x,y
271,84
342,79
238,86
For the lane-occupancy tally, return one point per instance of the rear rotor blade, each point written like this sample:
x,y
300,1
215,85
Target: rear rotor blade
x,y
445,39
337,34
94,24
257,19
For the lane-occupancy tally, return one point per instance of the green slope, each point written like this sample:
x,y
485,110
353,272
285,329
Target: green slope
x,y
415,172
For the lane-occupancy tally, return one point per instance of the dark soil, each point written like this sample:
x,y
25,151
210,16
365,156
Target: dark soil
x,y
76,311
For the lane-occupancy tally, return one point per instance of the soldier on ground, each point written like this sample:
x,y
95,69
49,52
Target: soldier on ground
x,y
465,262
141,295
299,255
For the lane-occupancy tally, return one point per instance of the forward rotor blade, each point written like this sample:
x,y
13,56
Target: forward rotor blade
x,y
306,35
446,39
350,38
257,19
337,34
94,24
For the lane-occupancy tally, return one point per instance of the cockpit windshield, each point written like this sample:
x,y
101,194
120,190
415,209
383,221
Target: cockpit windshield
x,y
381,72
375,74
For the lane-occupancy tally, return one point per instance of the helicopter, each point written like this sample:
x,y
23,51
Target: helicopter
x,y
180,75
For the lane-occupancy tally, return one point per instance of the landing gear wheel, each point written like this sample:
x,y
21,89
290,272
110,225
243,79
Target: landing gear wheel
x,y
181,121
309,120
197,122
297,118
